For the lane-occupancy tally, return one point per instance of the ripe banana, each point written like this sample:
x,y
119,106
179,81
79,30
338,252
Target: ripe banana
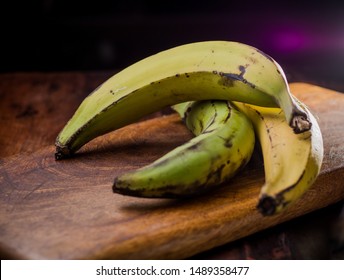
x,y
198,71
223,144
292,161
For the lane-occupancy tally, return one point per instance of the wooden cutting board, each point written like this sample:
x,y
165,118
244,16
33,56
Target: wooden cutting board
x,y
66,209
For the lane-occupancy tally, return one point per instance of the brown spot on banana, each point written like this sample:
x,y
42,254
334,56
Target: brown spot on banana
x,y
229,112
216,174
228,79
227,142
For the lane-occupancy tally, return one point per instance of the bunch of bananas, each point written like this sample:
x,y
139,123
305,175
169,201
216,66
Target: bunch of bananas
x,y
228,94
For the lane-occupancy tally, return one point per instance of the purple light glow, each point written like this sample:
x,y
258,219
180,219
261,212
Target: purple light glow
x,y
301,38
291,41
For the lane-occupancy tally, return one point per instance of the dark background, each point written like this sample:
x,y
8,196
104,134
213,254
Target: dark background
x,y
305,37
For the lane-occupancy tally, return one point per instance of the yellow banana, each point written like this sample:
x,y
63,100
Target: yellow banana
x,y
223,144
198,71
292,161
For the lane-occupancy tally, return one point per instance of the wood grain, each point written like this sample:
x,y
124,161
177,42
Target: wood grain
x,y
66,209
34,107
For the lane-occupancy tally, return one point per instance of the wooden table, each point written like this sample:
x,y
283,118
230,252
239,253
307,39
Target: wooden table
x,y
54,210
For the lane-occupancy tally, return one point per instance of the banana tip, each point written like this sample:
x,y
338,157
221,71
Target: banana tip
x,y
267,205
117,188
300,122
62,152
129,192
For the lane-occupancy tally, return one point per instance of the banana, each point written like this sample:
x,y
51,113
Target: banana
x,y
292,161
223,145
197,71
